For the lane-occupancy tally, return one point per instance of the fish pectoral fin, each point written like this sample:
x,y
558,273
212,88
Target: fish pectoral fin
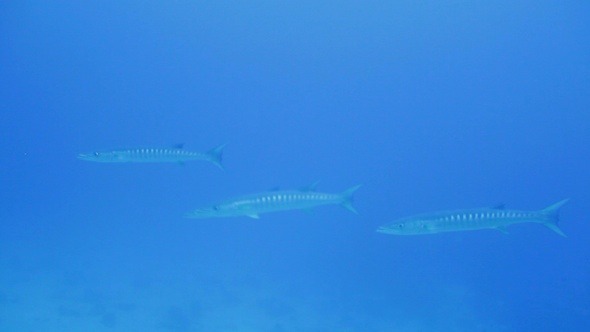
x,y
254,216
502,229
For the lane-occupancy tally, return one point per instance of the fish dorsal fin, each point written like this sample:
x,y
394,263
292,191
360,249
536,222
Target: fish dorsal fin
x,y
178,146
500,206
254,216
311,187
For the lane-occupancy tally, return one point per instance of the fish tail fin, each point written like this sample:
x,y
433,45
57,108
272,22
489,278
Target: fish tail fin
x,y
215,155
347,198
552,214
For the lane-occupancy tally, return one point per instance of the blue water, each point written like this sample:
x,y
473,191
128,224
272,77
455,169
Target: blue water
x,y
429,105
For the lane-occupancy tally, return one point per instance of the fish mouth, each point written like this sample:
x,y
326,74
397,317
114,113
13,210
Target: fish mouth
x,y
385,230
193,215
84,156
199,213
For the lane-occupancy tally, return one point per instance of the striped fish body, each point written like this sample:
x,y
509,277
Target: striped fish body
x,y
149,156
281,201
273,201
153,155
472,219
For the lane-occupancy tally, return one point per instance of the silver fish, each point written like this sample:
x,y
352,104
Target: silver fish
x,y
473,219
272,201
175,154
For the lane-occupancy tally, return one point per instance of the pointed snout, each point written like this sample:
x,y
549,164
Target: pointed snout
x,y
383,230
84,156
198,213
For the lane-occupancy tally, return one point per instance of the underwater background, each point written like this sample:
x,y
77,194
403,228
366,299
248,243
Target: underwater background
x,y
430,105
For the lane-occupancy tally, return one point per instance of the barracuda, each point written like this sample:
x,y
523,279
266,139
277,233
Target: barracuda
x,y
175,154
272,201
473,219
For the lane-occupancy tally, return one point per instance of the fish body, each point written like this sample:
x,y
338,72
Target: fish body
x,y
273,201
473,219
154,155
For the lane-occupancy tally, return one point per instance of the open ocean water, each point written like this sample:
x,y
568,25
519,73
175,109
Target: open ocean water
x,y
430,105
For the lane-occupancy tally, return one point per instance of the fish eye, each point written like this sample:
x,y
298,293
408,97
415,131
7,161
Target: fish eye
x,y
96,154
216,208
400,225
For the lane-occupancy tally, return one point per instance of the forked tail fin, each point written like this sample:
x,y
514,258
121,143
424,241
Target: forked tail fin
x,y
552,214
347,198
215,155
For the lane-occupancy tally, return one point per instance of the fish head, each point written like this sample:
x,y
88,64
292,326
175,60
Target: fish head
x,y
108,156
215,211
202,213
406,227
